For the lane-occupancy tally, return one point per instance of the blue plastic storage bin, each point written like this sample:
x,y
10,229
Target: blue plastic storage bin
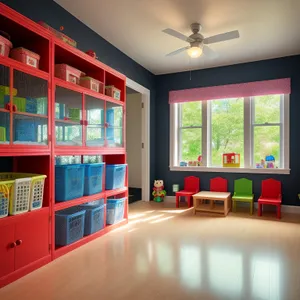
x,y
59,111
25,130
69,226
110,116
31,105
69,182
115,176
93,178
96,202
115,210
94,218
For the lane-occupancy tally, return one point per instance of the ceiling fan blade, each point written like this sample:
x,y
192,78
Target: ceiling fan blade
x,y
207,51
178,35
178,51
222,37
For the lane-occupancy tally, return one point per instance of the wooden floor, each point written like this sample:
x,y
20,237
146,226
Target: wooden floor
x,y
168,253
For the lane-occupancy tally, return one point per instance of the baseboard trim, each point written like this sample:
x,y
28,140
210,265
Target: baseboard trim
x,y
291,209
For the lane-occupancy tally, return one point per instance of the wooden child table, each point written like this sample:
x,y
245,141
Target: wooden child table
x,y
199,204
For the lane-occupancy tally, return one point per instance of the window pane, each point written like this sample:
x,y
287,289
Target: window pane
x,y
191,114
266,143
191,143
227,130
267,109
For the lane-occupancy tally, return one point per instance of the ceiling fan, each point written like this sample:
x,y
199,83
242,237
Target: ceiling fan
x,y
198,44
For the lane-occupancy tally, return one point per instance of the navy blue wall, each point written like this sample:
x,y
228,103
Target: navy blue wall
x,y
54,15
262,70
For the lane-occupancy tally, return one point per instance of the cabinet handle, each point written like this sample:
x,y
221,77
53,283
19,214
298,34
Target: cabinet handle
x,y
12,245
19,242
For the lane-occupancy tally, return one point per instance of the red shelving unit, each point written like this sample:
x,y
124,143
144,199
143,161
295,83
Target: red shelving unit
x,y
27,241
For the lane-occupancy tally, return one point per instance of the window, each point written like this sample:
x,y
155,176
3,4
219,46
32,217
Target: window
x,y
227,129
267,128
190,131
253,132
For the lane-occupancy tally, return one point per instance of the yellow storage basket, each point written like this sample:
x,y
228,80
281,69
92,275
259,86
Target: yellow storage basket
x,y
25,191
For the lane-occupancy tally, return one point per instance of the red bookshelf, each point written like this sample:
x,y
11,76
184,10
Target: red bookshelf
x,y
36,229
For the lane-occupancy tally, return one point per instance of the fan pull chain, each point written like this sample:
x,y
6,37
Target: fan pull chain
x,y
190,67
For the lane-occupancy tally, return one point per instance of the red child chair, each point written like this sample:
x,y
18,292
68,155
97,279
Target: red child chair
x,y
218,184
191,187
271,195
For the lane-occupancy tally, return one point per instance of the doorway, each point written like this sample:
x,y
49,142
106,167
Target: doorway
x,y
137,141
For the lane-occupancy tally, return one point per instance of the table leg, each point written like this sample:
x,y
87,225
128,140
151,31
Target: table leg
x,y
225,207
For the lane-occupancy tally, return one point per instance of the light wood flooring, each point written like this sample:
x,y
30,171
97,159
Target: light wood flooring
x,y
168,253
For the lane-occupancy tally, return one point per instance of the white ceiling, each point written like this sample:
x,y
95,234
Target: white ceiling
x,y
268,29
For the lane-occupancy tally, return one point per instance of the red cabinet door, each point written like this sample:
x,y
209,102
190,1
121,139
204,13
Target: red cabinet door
x,y
32,238
7,250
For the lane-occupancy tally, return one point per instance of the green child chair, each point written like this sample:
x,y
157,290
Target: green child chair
x,y
243,193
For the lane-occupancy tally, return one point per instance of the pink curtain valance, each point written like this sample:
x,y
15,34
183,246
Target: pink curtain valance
x,y
257,88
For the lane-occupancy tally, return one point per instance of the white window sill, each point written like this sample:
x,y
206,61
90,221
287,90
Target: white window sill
x,y
231,170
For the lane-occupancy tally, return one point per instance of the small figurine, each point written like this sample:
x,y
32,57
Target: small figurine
x,y
158,191
183,164
91,53
199,161
270,161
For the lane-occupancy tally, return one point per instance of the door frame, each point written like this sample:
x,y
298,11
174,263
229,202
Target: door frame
x,y
145,164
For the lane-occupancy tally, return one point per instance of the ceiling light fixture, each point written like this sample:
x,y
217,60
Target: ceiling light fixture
x,y
194,52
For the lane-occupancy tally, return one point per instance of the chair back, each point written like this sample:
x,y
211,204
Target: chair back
x,y
192,184
218,184
270,188
243,186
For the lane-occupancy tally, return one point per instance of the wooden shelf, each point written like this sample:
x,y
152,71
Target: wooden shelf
x,y
207,208
109,193
86,58
17,218
80,89
59,251
24,150
19,66
71,122
63,205
30,114
84,150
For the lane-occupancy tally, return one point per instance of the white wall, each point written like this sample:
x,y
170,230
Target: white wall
x,y
134,139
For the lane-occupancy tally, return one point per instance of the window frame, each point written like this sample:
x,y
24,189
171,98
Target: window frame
x,y
180,128
248,139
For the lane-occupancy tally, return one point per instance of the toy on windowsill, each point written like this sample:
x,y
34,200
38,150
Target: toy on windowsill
x,y
268,163
158,191
183,164
231,160
200,163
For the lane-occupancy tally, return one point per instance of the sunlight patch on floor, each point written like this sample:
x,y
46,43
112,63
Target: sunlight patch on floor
x,y
143,220
176,211
162,220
